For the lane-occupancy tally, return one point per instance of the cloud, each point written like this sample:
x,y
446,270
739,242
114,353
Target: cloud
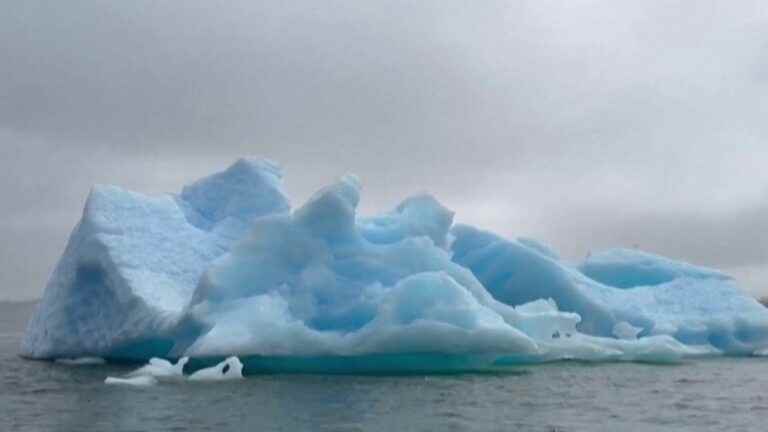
x,y
566,120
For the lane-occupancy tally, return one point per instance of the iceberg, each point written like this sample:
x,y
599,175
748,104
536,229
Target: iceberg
x,y
226,268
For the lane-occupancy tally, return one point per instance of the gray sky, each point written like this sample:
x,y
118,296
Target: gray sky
x,y
586,124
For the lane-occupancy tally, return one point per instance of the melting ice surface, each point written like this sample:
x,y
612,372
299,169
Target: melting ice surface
x,y
226,268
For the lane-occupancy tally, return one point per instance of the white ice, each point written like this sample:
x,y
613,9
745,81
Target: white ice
x,y
229,369
161,368
137,381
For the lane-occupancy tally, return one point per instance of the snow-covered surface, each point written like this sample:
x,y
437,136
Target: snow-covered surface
x,y
226,269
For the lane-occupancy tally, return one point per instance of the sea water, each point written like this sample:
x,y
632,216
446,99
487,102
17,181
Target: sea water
x,y
713,394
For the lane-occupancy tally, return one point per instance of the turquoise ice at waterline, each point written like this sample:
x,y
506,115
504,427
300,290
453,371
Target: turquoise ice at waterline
x,y
227,268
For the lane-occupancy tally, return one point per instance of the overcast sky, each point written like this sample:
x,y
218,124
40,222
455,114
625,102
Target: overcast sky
x,y
586,124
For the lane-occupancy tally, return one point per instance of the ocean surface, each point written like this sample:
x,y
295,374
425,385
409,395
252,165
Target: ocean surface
x,y
703,395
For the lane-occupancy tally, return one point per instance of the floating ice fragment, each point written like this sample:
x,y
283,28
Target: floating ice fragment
x,y
229,369
161,368
137,381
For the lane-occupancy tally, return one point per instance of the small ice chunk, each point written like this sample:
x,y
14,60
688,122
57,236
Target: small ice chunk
x,y
137,381
229,369
625,330
81,361
161,368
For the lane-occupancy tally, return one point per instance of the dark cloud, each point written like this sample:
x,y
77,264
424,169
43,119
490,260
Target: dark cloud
x,y
587,123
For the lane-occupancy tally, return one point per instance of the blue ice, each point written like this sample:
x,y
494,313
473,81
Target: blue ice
x,y
226,268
